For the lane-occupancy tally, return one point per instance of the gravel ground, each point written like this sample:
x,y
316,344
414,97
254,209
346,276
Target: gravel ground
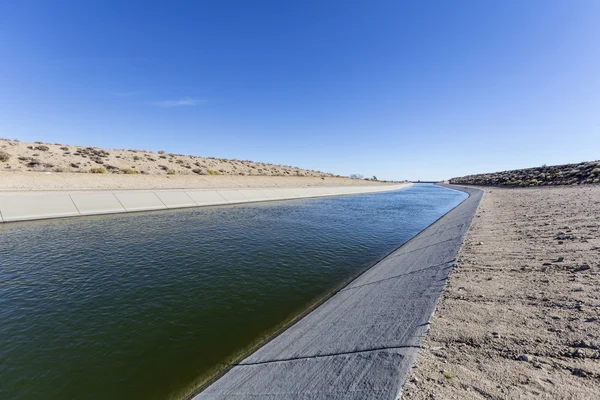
x,y
520,316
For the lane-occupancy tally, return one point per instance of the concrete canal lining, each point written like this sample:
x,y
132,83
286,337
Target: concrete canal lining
x,y
21,206
362,341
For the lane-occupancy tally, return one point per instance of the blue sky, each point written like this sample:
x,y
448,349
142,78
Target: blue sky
x,y
396,89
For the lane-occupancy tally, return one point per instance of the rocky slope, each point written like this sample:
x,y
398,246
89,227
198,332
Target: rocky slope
x,y
45,157
567,174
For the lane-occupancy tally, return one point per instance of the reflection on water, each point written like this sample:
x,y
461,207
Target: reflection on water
x,y
142,306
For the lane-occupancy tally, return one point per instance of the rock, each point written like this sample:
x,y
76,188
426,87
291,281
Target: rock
x,y
567,174
524,357
580,372
559,259
582,267
579,353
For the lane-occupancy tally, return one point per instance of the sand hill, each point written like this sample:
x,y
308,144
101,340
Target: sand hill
x,y
44,166
41,157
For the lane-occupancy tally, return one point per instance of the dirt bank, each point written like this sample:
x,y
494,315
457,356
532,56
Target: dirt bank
x,y
520,317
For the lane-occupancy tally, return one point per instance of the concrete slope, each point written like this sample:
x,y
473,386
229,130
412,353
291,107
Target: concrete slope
x,y
361,342
20,205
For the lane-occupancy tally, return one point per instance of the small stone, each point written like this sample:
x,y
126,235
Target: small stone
x,y
524,357
479,244
579,353
580,372
496,335
582,267
559,259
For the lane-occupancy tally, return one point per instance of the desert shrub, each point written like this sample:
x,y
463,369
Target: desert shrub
x,y
4,157
199,171
129,171
211,172
59,169
161,152
42,148
97,170
171,172
137,158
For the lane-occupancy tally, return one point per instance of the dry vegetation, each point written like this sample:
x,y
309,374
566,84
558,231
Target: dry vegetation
x,y
45,157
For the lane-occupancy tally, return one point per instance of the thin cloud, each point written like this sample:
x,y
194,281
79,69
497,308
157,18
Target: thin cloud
x,y
183,102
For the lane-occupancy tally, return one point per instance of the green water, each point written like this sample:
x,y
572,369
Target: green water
x,y
146,306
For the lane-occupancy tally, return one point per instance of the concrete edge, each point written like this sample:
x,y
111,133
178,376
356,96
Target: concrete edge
x,y
412,356
411,353
34,206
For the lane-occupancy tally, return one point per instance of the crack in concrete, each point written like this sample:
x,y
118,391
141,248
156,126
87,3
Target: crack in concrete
x,y
326,355
398,276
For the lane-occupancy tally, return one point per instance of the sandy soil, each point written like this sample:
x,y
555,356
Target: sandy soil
x,y
43,166
12,181
520,317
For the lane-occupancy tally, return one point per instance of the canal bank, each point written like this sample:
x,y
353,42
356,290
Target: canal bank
x,y
362,341
32,205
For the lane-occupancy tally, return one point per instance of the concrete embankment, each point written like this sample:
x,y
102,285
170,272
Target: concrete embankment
x,y
20,206
362,341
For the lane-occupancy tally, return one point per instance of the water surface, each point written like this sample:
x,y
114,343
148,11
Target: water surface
x,y
144,306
